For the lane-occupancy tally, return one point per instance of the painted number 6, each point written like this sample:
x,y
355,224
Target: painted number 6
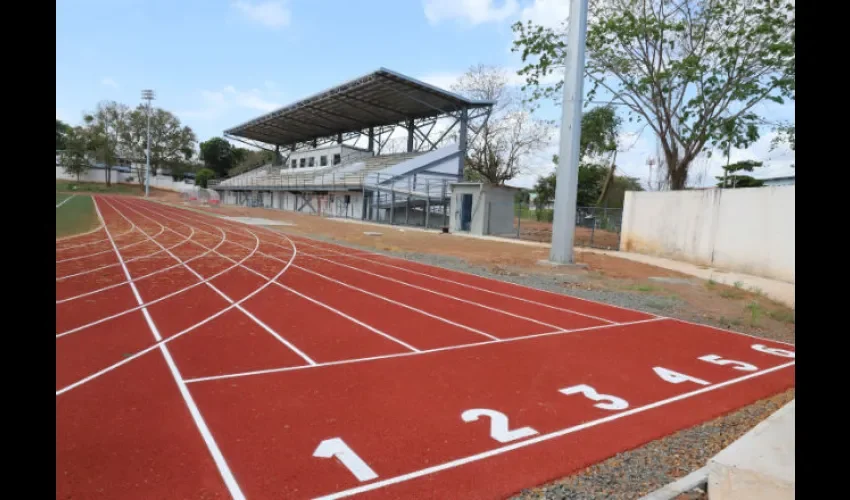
x,y
608,402
773,350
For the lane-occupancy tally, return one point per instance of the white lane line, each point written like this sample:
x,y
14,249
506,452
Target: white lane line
x,y
391,301
65,201
426,351
525,318
79,235
177,335
317,244
302,240
321,304
134,259
372,261
212,446
441,294
160,299
223,295
297,238
78,257
140,278
409,261
538,439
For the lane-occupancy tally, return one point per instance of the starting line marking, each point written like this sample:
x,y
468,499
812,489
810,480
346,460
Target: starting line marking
x,y
544,437
428,351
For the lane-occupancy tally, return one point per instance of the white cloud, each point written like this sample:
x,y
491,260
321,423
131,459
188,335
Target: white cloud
x,y
109,82
549,13
273,14
218,103
472,11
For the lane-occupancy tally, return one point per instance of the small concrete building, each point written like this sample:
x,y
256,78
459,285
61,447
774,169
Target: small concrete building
x,y
482,209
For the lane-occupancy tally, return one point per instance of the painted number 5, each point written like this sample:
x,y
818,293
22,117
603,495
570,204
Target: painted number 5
x,y
498,425
739,365
608,402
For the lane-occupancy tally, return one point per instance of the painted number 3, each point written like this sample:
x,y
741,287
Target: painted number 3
x,y
607,402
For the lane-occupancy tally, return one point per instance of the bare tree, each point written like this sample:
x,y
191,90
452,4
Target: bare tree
x,y
510,136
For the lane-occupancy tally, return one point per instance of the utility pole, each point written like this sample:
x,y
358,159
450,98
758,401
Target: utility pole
x,y
147,95
563,225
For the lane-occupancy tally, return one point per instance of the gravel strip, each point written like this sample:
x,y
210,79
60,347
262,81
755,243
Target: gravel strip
x,y
635,473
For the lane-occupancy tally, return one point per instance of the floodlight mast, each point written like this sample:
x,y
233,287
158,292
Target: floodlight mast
x,y
564,222
148,95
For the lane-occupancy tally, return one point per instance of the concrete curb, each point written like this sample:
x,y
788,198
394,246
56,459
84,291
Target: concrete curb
x,y
696,478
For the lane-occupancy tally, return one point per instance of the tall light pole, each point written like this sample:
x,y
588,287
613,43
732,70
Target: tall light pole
x,y
147,95
564,222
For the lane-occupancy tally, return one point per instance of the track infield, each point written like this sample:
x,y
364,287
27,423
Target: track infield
x,y
198,357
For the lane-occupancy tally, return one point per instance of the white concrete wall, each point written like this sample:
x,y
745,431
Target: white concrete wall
x,y
749,230
476,225
99,175
500,210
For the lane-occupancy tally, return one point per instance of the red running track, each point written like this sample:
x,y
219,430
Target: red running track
x,y
198,357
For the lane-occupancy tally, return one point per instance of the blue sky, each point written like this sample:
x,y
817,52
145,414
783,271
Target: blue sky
x,y
217,63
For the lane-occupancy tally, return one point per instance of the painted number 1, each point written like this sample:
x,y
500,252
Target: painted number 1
x,y
336,447
498,425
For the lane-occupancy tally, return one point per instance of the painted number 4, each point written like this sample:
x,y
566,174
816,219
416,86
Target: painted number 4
x,y
498,425
336,447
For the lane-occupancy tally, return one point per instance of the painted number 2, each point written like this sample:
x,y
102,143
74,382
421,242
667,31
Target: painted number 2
x,y
336,447
498,425
608,402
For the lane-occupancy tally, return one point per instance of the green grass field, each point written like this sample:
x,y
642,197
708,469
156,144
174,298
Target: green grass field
x,y
75,216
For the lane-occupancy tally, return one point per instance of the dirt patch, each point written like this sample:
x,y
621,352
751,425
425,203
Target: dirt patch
x,y
533,230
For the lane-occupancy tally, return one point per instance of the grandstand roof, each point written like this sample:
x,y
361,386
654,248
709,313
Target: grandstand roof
x,y
382,97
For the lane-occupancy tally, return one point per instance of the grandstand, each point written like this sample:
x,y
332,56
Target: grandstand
x,y
332,156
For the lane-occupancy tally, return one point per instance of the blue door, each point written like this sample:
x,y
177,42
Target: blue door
x,y
465,211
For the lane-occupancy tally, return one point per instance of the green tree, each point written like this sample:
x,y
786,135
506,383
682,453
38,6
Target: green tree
x,y
104,129
217,155
62,130
599,130
693,70
544,191
172,143
732,179
74,159
203,176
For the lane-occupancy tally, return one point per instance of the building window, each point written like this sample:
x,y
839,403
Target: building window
x,y
323,161
337,159
294,163
303,162
311,162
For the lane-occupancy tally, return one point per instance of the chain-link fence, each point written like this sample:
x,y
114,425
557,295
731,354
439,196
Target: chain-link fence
x,y
596,227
